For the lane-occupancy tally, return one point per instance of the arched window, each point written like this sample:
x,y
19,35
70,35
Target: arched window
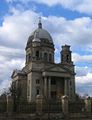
x,y
45,56
37,92
37,55
29,57
50,57
67,58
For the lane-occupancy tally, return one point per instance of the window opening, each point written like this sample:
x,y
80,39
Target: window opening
x,y
37,81
45,56
37,55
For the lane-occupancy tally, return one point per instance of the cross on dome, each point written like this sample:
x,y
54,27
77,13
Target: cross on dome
x,y
40,24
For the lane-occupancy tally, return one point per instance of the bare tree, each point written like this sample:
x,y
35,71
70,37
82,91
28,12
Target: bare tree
x,y
15,92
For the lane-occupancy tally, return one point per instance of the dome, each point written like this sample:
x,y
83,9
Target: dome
x,y
42,34
39,35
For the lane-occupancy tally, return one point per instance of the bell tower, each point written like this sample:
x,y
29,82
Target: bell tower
x,y
66,55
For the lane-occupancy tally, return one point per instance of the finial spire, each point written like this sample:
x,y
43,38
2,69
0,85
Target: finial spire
x,y
39,24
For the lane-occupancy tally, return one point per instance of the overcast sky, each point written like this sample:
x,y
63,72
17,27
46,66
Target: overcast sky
x,y
68,22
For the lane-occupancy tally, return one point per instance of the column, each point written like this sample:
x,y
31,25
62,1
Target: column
x,y
39,104
65,86
49,87
42,86
45,86
9,101
88,104
65,106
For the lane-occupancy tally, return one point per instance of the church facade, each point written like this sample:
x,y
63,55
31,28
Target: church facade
x,y
41,75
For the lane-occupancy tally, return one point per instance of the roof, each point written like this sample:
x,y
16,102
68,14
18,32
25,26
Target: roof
x,y
39,35
42,33
16,72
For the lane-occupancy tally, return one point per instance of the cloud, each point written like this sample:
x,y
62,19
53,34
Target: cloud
x,y
84,89
16,28
6,68
76,32
82,71
84,82
84,79
82,58
82,6
23,1
8,53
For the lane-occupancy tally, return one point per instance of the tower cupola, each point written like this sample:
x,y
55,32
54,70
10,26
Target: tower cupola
x,y
66,54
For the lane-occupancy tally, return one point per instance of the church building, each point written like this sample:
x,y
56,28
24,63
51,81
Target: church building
x,y
41,75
